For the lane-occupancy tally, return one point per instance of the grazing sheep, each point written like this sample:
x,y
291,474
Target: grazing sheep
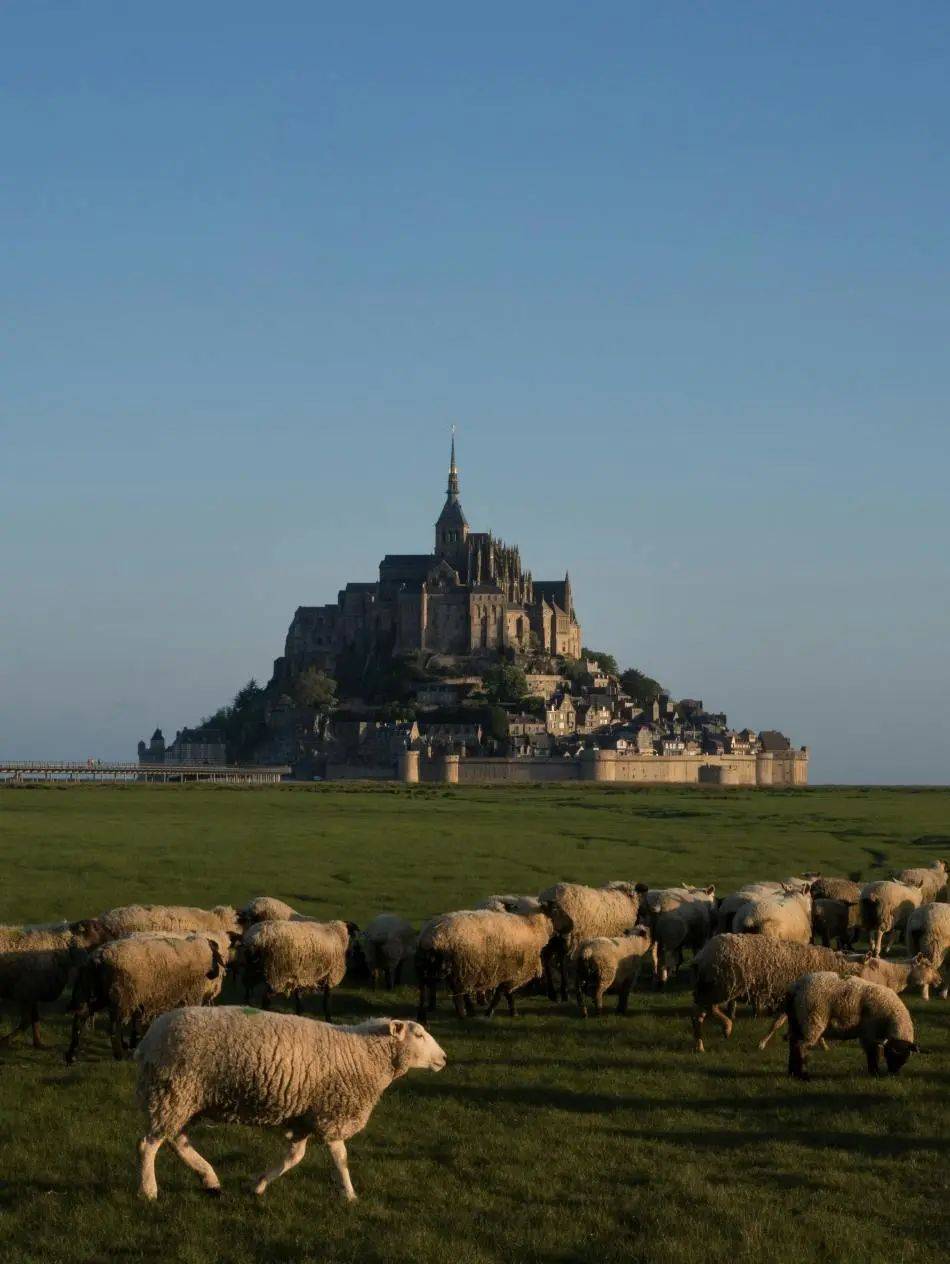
x,y
822,1004
931,880
387,941
756,969
265,908
143,975
915,972
296,957
610,961
680,918
135,918
885,908
784,915
831,920
928,933
30,978
730,904
35,964
578,913
480,951
236,1065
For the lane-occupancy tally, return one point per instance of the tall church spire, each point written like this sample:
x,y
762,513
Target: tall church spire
x,y
452,490
451,530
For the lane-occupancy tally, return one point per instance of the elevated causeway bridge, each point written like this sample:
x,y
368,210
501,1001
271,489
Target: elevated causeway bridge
x,y
22,770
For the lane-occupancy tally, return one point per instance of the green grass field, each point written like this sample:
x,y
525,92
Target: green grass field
x,y
547,1138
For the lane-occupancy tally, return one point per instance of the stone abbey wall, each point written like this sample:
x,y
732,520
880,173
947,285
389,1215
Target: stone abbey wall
x,y
782,768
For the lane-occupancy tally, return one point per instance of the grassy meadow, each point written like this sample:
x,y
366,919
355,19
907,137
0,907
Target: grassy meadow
x,y
547,1138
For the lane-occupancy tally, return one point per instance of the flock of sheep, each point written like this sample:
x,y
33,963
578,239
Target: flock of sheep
x,y
158,969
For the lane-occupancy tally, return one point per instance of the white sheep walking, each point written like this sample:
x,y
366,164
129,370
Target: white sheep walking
x,y
248,1066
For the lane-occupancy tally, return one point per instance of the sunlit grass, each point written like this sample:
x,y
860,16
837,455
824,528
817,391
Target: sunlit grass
x,y
547,1138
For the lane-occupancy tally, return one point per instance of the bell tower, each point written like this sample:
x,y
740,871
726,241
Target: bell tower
x,y
451,529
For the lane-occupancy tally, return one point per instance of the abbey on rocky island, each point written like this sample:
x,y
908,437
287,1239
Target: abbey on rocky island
x,y
469,596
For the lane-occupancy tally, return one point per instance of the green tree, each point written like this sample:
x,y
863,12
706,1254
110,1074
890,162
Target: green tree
x,y
641,688
505,683
498,723
314,688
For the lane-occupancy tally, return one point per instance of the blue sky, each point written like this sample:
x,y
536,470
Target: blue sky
x,y
678,272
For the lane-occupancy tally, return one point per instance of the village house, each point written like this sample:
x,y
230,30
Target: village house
x,y
560,715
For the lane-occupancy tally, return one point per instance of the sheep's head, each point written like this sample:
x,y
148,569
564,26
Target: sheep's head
x,y
89,932
896,1052
414,1048
923,973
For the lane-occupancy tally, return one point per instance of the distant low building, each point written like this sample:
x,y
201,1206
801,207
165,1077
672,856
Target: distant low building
x,y
204,746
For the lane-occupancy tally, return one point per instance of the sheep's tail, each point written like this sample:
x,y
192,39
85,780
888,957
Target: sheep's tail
x,y
586,968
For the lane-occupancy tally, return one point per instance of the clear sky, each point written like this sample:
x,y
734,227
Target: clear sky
x,y
679,272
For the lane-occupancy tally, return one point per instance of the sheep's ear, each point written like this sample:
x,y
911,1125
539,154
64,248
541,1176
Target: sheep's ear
x,y
806,889
710,890
919,960
398,1028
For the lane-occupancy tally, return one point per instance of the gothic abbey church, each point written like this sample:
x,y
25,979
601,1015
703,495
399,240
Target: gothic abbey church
x,y
468,597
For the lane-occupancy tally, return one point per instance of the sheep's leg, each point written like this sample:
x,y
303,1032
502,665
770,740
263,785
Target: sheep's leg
x,y
421,1009
295,1152
510,998
493,1003
722,1017
731,1011
149,1146
80,1017
326,1002
191,1158
599,1000
267,998
397,973
581,999
24,1022
470,1004
458,1000
35,1025
872,1052
623,997
797,1057
115,1035
133,1032
546,958
388,978
338,1152
698,1018
562,966
777,1024
298,1004
433,988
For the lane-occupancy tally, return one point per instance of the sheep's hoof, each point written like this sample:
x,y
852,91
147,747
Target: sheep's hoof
x,y
149,1196
699,1047
214,1191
